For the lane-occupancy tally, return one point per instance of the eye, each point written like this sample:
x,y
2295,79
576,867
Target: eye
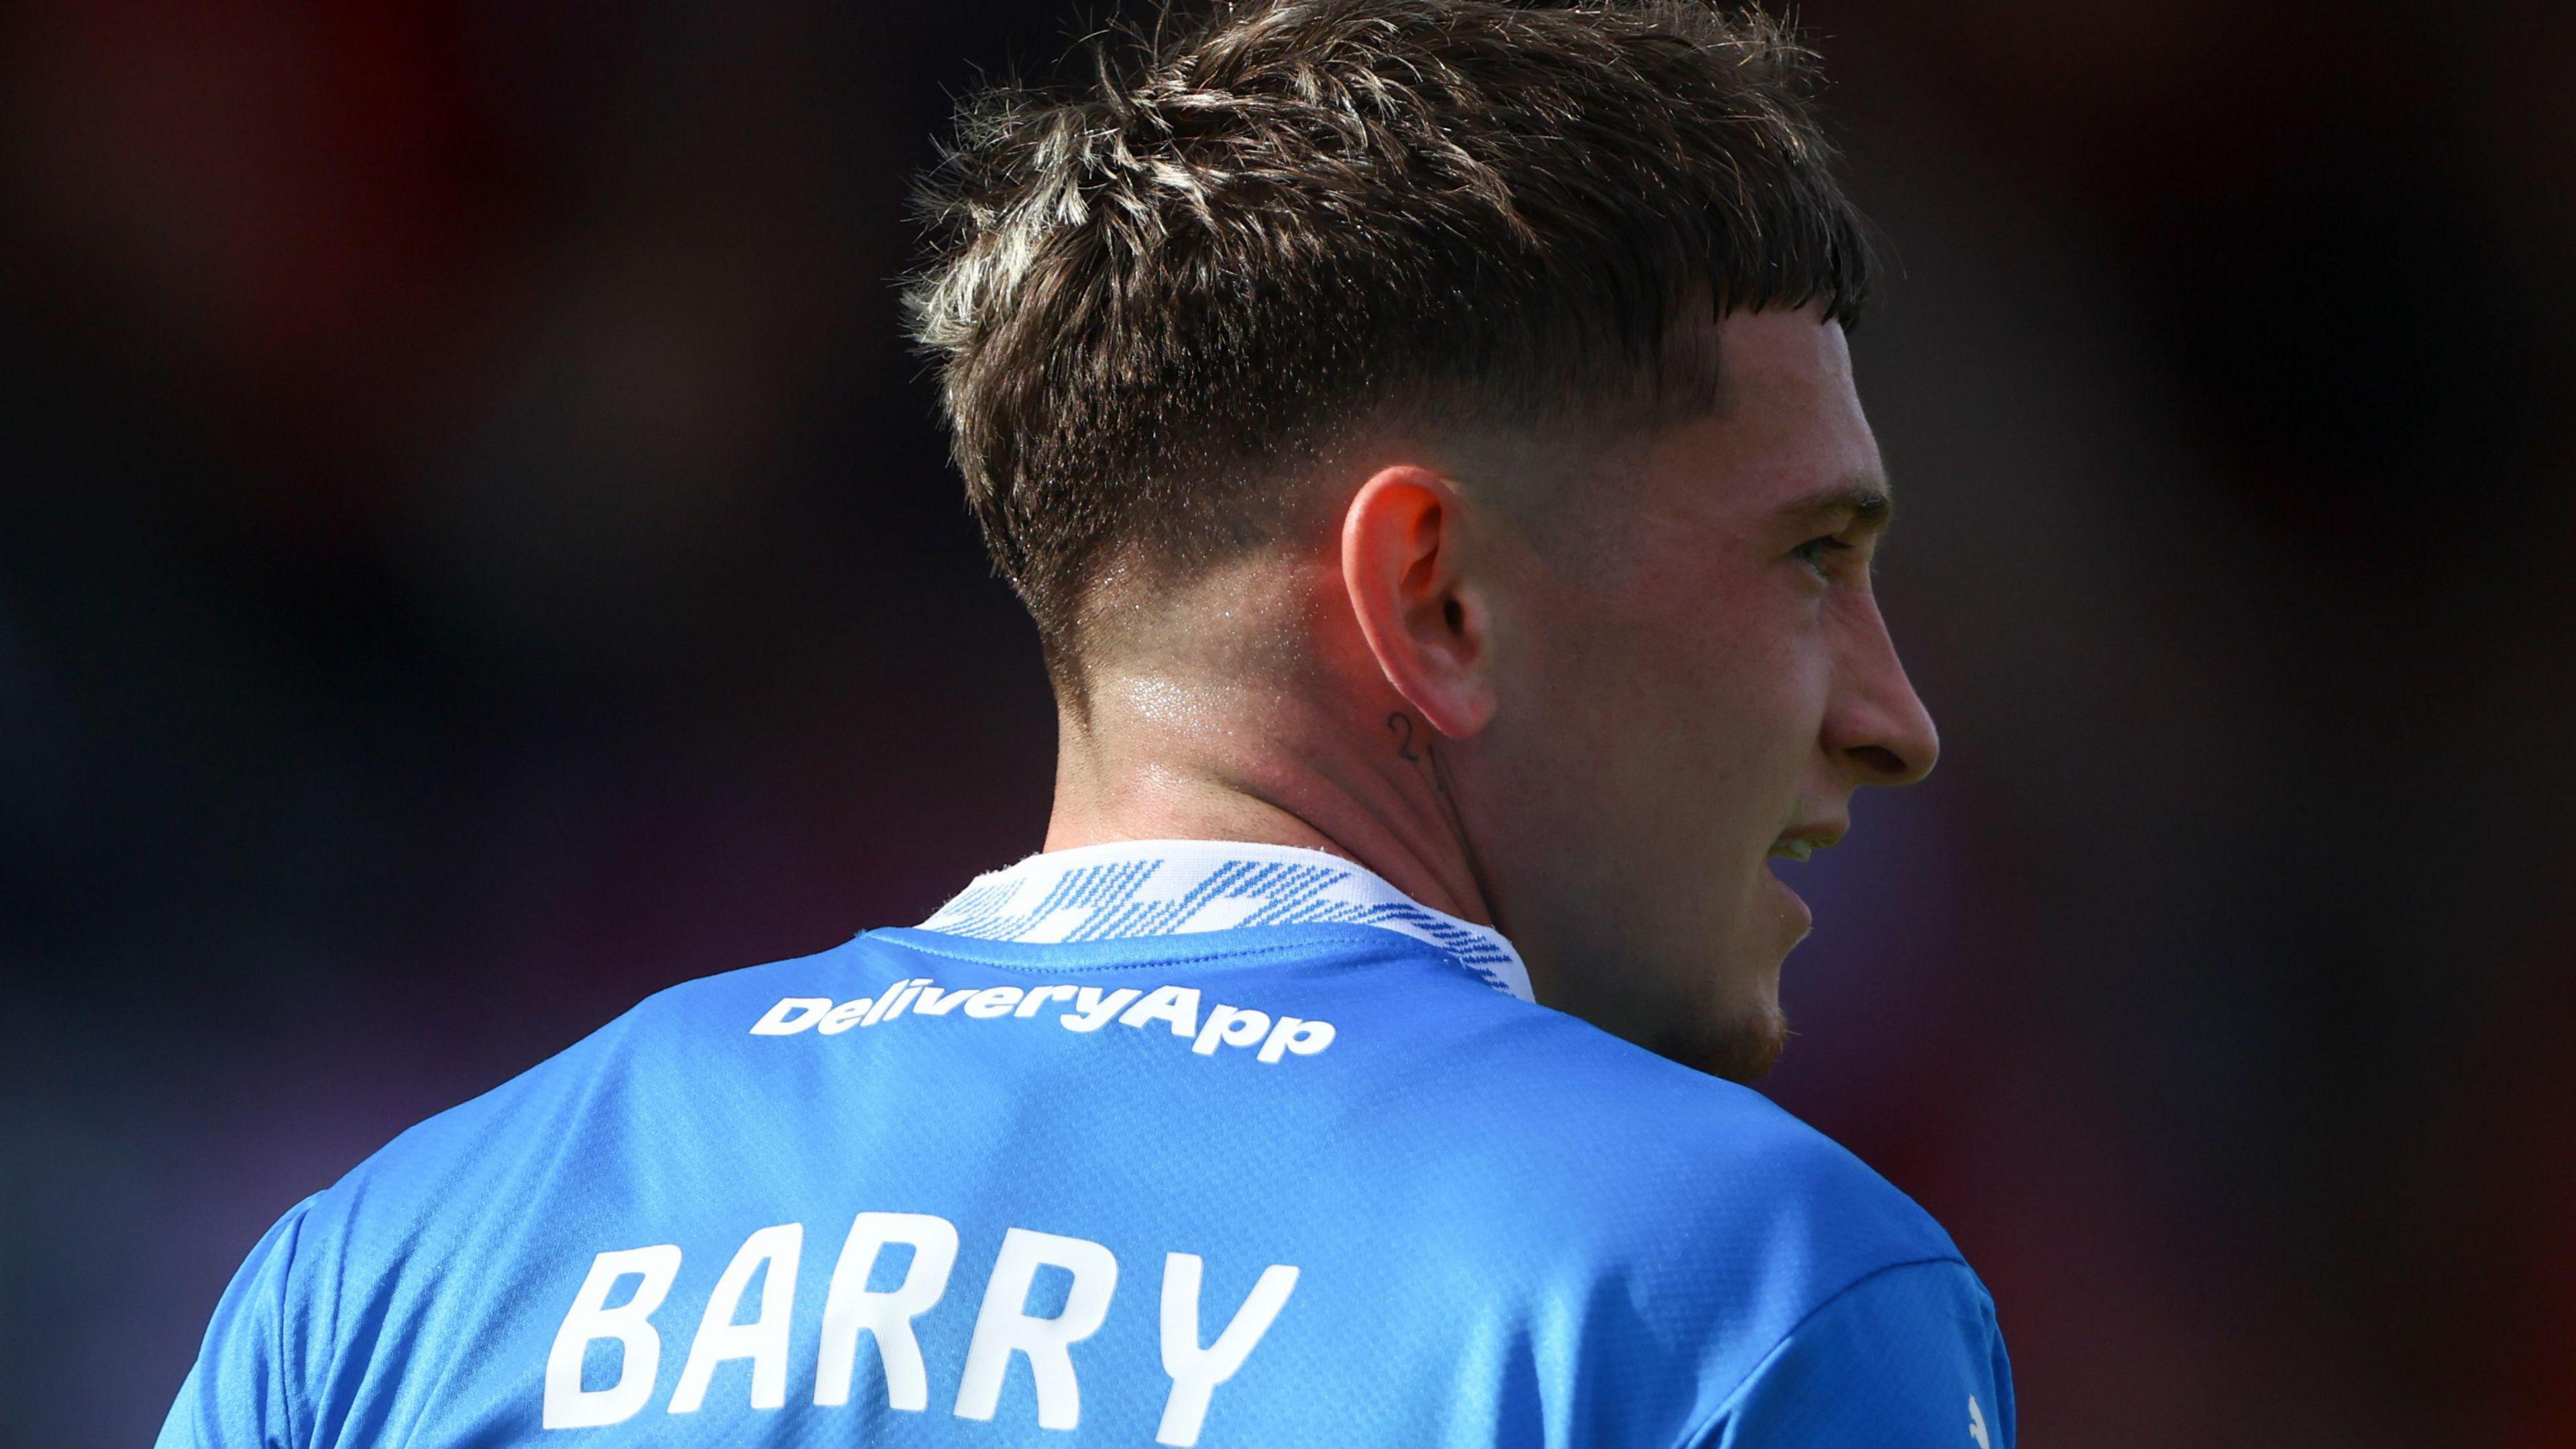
x,y
1815,552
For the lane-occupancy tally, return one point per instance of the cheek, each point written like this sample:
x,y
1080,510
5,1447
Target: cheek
x,y
1686,692
1756,677
1707,716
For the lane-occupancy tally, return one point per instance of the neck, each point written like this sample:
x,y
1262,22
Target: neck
x,y
1157,756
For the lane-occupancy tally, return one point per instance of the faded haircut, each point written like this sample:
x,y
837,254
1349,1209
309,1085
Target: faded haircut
x,y
1249,232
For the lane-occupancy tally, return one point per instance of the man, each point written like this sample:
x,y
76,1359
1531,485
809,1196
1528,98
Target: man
x,y
1423,432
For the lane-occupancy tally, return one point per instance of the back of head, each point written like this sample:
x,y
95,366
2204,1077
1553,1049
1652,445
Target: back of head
x,y
1159,296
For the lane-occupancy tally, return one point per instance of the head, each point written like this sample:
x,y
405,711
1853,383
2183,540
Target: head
x,y
1465,380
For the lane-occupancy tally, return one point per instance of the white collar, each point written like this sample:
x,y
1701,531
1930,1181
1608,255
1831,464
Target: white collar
x,y
1134,888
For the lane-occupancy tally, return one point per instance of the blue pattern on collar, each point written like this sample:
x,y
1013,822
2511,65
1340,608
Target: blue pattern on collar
x,y
1179,887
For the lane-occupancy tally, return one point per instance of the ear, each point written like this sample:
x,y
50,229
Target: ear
x,y
1404,567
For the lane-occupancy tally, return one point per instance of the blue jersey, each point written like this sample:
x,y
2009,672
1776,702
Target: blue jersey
x,y
1162,1143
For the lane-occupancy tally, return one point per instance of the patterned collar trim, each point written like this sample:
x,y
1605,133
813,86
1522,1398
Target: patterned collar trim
x,y
1138,888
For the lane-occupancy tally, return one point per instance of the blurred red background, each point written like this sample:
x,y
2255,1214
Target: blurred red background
x,y
474,550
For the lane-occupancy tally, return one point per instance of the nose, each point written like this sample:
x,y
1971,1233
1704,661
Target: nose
x,y
1877,729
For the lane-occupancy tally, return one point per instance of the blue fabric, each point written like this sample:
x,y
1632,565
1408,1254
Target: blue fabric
x,y
1504,1226
1169,887
1908,1355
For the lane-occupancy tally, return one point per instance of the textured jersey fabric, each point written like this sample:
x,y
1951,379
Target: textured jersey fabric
x,y
1162,1143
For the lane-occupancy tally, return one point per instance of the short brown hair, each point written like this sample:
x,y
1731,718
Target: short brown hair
x,y
1154,293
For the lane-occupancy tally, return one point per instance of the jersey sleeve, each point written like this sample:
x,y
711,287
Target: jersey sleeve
x,y
239,1392
1908,1355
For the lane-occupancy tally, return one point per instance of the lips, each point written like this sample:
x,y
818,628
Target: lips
x,y
1799,842
1793,907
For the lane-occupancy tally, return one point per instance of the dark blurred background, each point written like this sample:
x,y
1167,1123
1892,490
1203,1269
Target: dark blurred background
x,y
474,550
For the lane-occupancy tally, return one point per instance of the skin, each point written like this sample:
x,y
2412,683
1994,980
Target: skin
x,y
1583,700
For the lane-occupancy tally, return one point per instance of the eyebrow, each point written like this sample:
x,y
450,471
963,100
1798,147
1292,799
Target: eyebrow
x,y
1866,503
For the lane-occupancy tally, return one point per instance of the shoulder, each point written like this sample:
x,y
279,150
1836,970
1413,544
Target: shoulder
x,y
468,1207
1656,1171
575,1115
1908,1355
1660,1231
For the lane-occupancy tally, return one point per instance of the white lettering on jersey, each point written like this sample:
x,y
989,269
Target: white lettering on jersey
x,y
1084,1009
1230,1026
1178,1005
772,1253
934,1002
1091,1010
1196,1371
568,1404
1040,995
1977,1423
890,1002
1003,1326
994,1001
851,1309
1296,1034
791,1015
